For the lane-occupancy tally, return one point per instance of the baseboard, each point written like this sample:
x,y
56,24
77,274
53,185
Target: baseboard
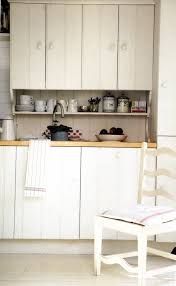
x,y
72,246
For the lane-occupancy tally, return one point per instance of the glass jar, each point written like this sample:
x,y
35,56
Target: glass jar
x,y
108,103
123,104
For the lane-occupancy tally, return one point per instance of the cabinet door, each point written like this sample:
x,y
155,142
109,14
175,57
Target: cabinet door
x,y
107,182
27,46
7,191
57,214
100,36
63,50
166,183
135,57
167,70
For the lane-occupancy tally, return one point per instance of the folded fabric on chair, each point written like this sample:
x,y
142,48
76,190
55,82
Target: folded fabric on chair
x,y
144,215
35,184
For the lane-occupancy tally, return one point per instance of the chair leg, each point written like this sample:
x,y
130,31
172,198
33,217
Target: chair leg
x,y
142,258
97,246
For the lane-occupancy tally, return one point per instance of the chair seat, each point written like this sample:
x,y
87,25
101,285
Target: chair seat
x,y
144,215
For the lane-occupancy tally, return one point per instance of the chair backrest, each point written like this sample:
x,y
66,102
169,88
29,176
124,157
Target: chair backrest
x,y
170,174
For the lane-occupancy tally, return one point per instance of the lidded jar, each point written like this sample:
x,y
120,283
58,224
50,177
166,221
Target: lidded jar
x,y
108,103
123,104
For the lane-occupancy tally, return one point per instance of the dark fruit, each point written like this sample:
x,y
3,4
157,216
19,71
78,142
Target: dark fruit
x,y
103,131
119,131
112,131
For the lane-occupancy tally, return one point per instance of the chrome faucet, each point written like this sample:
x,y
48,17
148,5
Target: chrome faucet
x,y
55,109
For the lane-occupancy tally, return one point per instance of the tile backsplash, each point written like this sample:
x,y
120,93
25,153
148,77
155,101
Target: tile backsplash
x,y
35,125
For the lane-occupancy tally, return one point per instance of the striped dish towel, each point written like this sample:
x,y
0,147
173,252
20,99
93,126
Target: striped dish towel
x,y
35,184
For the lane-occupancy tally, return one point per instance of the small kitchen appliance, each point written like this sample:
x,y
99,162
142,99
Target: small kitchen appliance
x,y
7,130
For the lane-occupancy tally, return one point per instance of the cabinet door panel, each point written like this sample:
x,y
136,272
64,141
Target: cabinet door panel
x,y
57,214
135,58
27,46
7,191
100,36
166,183
64,29
107,182
167,70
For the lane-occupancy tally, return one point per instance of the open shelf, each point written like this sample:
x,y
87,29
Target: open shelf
x,y
84,113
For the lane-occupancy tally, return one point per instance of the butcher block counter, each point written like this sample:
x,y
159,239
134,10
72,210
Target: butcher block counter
x,y
109,144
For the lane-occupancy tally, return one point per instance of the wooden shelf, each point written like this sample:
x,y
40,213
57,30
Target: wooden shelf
x,y
84,113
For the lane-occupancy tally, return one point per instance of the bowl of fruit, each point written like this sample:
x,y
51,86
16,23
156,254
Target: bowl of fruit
x,y
114,134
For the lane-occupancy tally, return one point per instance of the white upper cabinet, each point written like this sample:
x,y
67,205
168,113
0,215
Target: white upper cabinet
x,y
167,69
135,57
63,46
99,50
27,46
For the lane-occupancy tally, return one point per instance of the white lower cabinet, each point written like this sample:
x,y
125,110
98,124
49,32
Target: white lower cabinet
x,y
109,179
57,214
7,191
166,183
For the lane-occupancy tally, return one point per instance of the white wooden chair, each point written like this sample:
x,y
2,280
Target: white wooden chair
x,y
167,223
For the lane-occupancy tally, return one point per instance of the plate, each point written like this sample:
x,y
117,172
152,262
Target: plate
x,y
109,137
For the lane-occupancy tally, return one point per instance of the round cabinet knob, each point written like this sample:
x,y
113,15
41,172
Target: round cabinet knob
x,y
123,47
117,156
51,46
164,84
39,46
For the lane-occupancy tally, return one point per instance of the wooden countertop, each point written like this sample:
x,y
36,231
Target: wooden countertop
x,y
109,144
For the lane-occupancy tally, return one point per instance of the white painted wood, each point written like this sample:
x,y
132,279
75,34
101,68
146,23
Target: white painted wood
x,y
27,46
107,182
163,182
7,191
56,215
63,46
167,64
135,56
100,37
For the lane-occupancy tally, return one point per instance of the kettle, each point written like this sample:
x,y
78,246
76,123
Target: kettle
x,y
7,130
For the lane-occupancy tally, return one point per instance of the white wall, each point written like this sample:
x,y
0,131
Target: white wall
x,y
5,106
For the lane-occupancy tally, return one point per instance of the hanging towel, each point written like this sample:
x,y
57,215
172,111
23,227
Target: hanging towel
x,y
36,173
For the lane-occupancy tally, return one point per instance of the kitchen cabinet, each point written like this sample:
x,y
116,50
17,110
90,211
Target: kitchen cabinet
x,y
109,181
167,63
168,184
7,191
57,214
27,46
135,54
63,46
99,50
72,47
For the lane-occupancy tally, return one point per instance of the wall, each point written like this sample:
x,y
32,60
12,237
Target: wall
x,y
5,106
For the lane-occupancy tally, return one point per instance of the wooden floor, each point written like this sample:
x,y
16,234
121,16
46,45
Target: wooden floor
x,y
69,270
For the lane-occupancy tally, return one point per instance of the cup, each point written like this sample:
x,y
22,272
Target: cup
x,y
26,99
64,104
72,105
50,105
40,105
